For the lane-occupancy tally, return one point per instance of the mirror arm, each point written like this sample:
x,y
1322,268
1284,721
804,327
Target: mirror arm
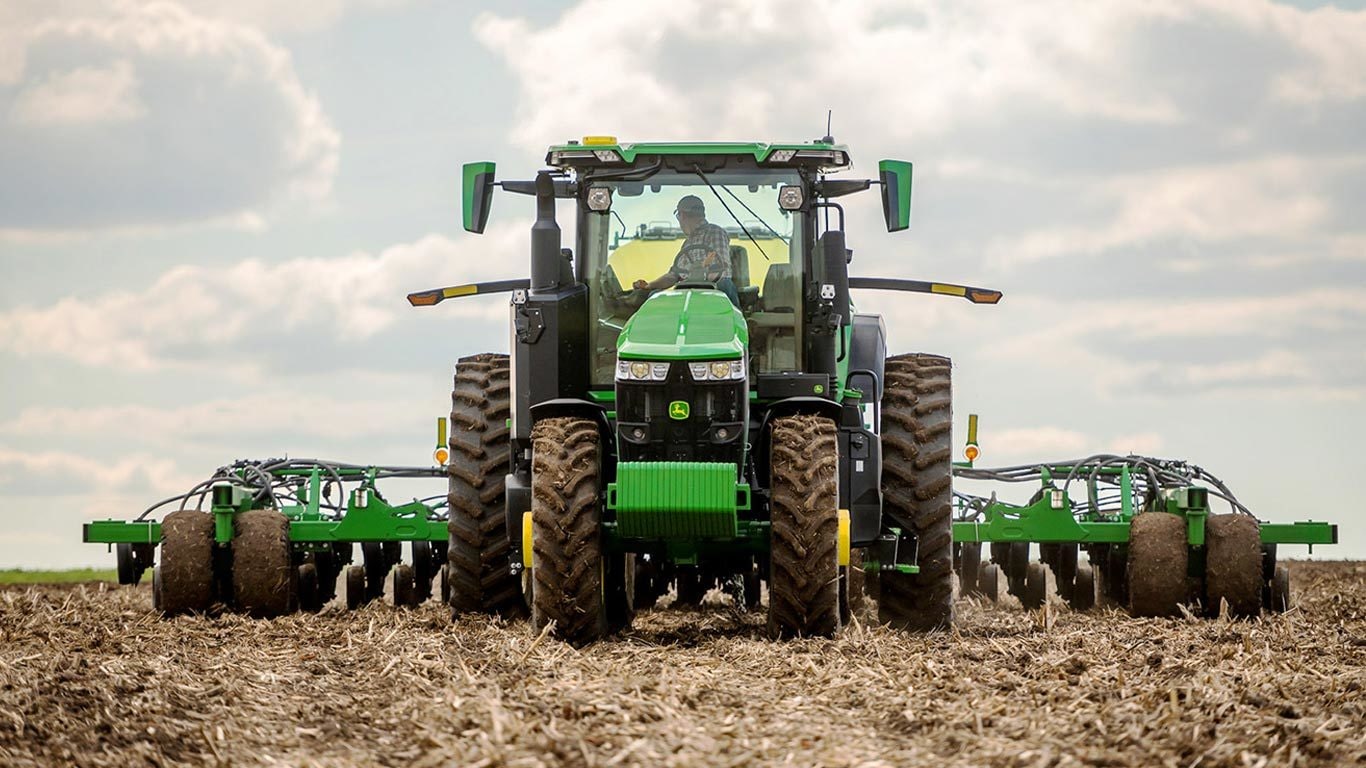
x,y
974,295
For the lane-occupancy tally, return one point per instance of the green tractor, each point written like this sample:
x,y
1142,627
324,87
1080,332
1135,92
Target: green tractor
x,y
692,401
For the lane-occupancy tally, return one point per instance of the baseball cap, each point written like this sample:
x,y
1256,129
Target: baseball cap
x,y
690,204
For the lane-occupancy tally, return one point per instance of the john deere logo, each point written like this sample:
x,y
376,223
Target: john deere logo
x,y
678,410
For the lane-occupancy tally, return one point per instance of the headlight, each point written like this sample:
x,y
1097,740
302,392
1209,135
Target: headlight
x,y
790,198
717,370
641,370
781,155
599,198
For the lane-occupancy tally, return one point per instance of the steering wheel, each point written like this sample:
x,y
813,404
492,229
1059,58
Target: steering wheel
x,y
617,297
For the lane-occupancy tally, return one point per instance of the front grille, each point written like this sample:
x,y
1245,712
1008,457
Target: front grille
x,y
713,431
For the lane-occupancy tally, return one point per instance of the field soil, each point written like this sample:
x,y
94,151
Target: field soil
x,y
90,676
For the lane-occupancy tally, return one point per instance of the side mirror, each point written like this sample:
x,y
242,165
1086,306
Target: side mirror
x,y
477,195
895,176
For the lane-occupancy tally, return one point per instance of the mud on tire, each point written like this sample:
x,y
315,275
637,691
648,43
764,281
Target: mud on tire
x,y
803,584
1233,564
186,569
917,487
1158,559
263,578
566,536
480,576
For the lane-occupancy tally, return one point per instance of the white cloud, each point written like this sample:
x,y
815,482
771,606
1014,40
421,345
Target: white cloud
x,y
138,473
1278,197
81,95
1036,442
167,118
192,313
259,412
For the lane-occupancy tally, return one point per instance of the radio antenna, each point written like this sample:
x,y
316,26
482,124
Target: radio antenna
x,y
828,138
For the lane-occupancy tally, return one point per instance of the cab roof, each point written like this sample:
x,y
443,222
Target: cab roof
x,y
607,150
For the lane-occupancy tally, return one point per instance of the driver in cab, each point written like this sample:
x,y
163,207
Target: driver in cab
x,y
704,257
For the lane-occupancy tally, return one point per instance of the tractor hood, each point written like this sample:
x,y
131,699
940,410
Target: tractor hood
x,y
689,324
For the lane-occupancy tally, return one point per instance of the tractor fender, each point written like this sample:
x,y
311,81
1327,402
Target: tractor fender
x,y
817,406
573,406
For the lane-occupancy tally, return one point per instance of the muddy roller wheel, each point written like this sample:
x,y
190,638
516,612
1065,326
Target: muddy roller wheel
x,y
1158,559
566,530
1083,597
264,581
481,577
970,567
803,584
187,576
355,587
917,487
989,581
1233,565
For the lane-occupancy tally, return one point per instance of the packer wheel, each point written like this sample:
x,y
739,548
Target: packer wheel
x,y
1083,597
1158,558
1036,586
971,567
804,583
1017,568
424,569
310,597
989,581
1233,565
405,586
1065,569
1278,590
186,568
355,587
264,580
566,530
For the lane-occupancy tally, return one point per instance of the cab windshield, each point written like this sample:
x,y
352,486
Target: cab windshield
x,y
730,233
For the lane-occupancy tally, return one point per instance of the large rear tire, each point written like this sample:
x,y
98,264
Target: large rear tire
x,y
803,584
186,569
480,576
1233,564
566,530
1158,559
263,578
917,487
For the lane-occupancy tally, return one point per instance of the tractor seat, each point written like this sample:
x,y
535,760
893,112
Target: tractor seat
x,y
780,289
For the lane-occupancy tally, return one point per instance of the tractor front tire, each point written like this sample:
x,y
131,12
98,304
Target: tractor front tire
x,y
480,574
803,585
566,530
264,581
186,570
917,487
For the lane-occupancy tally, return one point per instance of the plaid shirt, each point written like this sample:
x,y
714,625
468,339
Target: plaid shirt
x,y
705,255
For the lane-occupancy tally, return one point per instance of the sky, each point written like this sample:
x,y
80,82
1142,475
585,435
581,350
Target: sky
x,y
210,214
